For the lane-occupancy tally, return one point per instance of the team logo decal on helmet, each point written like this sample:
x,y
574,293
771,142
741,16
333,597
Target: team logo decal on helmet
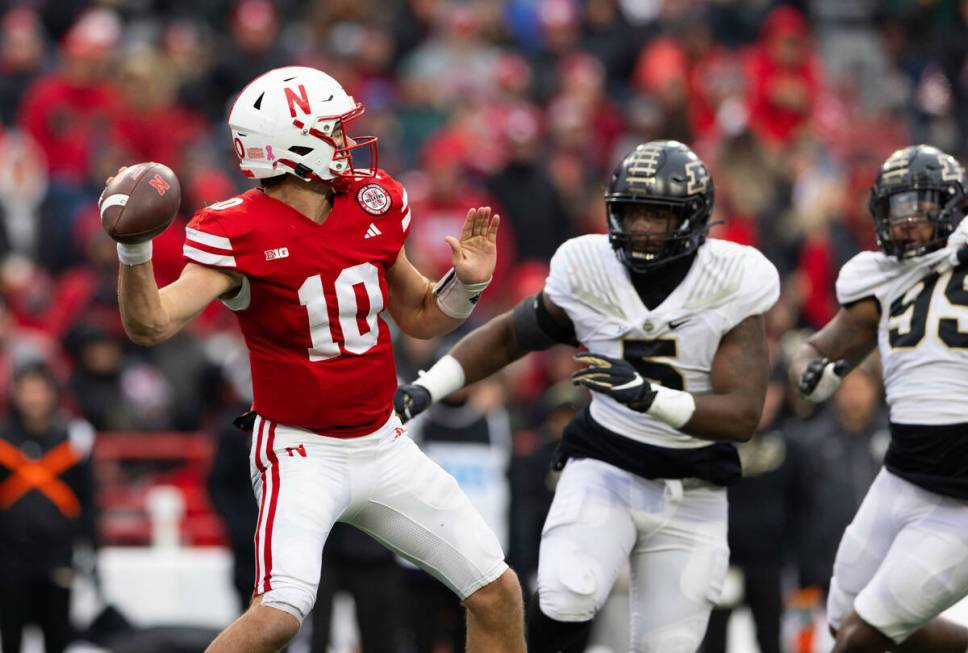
x,y
373,199
916,187
664,177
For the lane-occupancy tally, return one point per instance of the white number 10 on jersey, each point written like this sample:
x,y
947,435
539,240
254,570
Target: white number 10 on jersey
x,y
354,340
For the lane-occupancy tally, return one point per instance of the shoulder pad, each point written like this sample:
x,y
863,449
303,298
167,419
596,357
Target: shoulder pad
x,y
862,276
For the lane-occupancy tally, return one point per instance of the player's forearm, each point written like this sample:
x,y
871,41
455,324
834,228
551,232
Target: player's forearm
x,y
429,319
426,320
145,318
723,417
478,355
488,348
801,358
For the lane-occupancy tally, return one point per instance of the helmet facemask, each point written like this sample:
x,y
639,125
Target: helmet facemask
x,y
332,130
647,243
914,222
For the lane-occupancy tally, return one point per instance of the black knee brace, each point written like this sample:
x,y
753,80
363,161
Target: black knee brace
x,y
545,635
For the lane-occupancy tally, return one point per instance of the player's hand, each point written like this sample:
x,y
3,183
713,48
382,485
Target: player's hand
x,y
474,256
108,181
411,400
958,244
616,378
821,379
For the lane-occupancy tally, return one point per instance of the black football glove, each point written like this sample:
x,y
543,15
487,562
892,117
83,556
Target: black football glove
x,y
821,379
616,378
411,400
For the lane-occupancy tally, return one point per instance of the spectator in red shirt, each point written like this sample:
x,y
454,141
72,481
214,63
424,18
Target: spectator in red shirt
x,y
784,77
150,123
439,204
21,58
69,112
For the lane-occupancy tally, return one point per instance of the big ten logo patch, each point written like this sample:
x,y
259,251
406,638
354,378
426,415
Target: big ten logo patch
x,y
373,199
159,184
279,252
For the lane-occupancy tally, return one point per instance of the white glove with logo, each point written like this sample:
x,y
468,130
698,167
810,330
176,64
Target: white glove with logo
x,y
821,379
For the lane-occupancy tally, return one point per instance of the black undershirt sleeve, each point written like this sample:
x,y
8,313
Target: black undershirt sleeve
x,y
536,329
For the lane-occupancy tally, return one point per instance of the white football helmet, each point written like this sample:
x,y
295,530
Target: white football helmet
x,y
283,122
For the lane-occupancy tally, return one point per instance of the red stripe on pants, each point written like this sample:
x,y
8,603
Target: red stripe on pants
x,y
262,502
274,468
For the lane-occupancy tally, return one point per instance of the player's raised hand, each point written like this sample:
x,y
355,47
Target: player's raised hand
x,y
616,378
474,255
107,182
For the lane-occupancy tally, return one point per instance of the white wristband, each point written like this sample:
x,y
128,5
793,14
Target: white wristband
x,y
444,378
135,254
455,298
674,407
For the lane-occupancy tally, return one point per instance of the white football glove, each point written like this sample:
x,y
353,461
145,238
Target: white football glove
x,y
821,379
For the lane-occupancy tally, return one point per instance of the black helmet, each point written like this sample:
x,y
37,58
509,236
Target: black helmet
x,y
922,181
667,175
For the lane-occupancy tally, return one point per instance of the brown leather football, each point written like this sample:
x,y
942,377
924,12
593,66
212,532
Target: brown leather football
x,y
140,202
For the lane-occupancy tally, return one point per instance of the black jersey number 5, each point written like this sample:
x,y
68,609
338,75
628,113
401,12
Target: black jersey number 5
x,y
642,354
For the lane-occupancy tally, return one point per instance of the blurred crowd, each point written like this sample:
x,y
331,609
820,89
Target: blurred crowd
x,y
523,105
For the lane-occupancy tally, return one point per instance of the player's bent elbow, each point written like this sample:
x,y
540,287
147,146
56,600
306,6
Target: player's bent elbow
x,y
744,435
145,336
143,340
744,425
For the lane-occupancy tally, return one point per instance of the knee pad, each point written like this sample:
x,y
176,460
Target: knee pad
x,y
571,590
292,600
839,605
682,637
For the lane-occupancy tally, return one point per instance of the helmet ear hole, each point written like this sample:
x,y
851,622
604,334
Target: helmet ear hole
x,y
301,150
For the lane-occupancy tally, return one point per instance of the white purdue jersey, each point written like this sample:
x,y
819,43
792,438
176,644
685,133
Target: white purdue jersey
x,y
923,332
673,344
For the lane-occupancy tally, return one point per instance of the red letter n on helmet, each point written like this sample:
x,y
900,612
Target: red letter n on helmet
x,y
302,100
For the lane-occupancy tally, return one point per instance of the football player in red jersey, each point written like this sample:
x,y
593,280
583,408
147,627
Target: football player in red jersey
x,y
308,261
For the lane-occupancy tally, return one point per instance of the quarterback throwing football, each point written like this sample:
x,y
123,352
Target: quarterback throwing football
x,y
677,360
904,558
308,261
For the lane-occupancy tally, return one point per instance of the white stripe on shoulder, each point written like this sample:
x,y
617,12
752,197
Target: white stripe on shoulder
x,y
406,220
221,242
605,284
721,275
208,258
590,280
404,201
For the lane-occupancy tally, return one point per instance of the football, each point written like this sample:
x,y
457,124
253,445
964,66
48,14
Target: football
x,y
140,202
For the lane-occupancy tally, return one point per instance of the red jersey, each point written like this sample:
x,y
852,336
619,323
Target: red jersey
x,y
321,355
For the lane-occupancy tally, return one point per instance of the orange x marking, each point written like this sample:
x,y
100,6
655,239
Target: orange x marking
x,y
40,475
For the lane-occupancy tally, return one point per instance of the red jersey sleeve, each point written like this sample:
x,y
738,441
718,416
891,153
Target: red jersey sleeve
x,y
385,199
207,241
397,188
